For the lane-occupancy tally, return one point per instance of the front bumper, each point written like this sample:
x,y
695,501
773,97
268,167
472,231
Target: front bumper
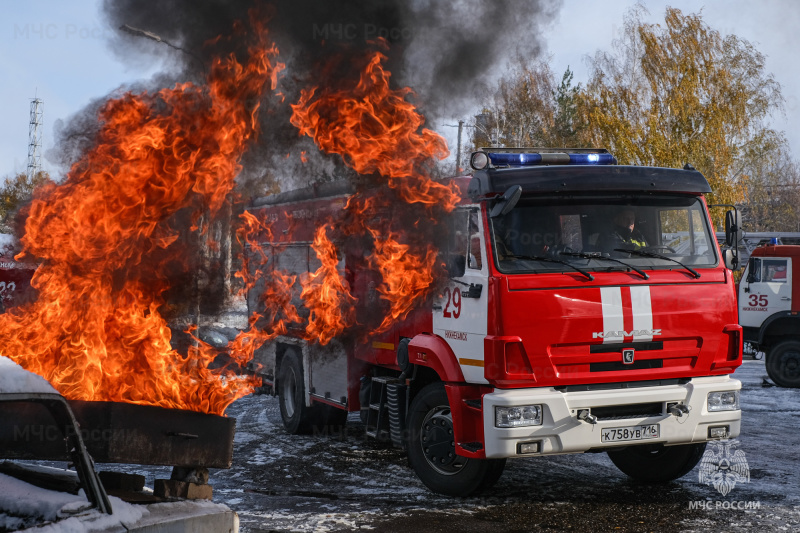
x,y
562,432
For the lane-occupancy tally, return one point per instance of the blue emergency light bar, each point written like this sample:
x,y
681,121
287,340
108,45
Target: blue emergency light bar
x,y
483,159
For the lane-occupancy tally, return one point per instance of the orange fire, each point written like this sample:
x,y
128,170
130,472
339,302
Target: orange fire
x,y
326,294
376,130
403,274
107,241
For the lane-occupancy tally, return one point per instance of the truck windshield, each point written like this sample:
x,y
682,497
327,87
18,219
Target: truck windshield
x,y
603,233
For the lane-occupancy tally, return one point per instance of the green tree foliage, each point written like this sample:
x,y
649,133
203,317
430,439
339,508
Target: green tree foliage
x,y
17,191
529,109
566,120
681,93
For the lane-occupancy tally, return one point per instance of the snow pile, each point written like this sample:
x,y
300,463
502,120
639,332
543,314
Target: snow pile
x,y
15,379
24,505
93,521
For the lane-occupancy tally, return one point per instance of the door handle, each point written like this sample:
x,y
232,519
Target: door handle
x,y
785,298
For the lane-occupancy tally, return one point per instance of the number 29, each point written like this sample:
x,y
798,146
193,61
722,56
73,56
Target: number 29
x,y
452,307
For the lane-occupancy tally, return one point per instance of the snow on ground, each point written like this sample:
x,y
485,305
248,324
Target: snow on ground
x,y
346,482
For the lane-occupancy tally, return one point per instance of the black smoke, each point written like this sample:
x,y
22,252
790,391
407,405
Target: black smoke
x,y
448,52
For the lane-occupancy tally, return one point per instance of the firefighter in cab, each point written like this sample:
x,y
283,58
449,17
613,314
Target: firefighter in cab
x,y
624,233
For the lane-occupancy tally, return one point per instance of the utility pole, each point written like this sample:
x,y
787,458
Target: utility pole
x,y
460,127
35,139
458,150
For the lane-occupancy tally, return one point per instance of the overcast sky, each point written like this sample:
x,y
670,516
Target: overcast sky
x,y
57,51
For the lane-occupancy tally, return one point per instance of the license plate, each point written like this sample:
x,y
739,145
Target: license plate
x,y
649,431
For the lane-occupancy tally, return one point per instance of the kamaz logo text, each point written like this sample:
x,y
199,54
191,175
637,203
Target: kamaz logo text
x,y
622,334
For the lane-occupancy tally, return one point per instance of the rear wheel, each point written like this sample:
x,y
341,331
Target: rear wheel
x,y
657,463
299,418
783,364
432,449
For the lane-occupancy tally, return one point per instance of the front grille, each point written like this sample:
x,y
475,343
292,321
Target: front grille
x,y
623,385
617,365
618,347
619,412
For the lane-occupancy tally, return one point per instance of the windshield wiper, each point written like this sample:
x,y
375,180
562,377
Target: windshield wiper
x,y
642,253
551,260
598,255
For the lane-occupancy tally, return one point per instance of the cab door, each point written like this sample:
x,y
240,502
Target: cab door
x,y
765,289
460,311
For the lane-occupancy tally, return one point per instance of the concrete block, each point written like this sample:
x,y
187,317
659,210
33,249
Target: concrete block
x,y
170,488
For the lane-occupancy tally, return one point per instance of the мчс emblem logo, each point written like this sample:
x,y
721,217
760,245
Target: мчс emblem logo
x,y
723,465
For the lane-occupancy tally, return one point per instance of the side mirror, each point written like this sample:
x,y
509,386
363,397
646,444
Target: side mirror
x,y
733,228
731,259
753,271
506,203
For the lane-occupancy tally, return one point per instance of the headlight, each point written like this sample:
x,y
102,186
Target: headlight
x,y
524,415
723,401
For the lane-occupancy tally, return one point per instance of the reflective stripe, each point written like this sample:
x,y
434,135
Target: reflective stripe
x,y
642,312
382,345
613,313
611,299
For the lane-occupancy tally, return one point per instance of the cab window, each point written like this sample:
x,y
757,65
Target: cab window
x,y
774,270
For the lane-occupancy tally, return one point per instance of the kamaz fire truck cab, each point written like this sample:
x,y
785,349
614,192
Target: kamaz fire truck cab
x,y
553,335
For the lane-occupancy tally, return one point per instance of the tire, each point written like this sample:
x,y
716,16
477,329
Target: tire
x,y
431,449
297,417
657,463
783,364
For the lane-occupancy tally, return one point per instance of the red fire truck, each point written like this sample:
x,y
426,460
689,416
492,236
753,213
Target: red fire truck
x,y
769,310
558,332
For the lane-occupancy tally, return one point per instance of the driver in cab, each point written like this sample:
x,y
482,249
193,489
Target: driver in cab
x,y
624,233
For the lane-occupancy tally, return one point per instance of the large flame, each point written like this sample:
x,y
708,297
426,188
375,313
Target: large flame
x,y
326,294
108,242
378,131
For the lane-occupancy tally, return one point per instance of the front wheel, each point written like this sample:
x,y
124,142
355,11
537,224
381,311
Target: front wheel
x,y
783,364
657,463
432,448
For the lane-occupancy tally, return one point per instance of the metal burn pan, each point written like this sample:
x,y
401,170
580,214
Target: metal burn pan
x,y
116,432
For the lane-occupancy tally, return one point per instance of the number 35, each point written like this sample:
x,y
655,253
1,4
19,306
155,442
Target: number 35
x,y
758,300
